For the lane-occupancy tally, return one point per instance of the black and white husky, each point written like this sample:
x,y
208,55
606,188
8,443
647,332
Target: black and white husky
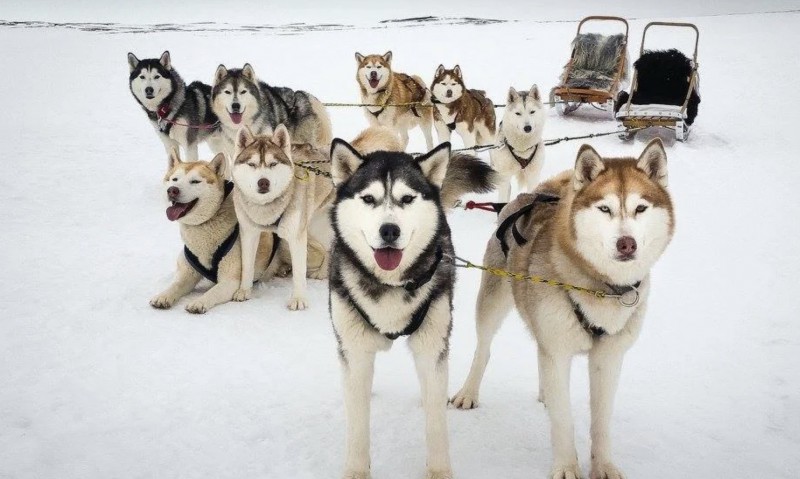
x,y
181,115
390,277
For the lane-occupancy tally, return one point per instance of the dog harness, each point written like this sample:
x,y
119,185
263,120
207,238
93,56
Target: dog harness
x,y
523,162
223,249
450,126
411,285
591,328
511,221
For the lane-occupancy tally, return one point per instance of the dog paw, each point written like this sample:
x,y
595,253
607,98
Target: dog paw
x,y
162,301
567,471
606,471
448,474
356,475
297,303
465,400
197,307
242,294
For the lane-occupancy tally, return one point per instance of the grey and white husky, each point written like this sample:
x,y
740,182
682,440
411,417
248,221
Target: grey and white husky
x,y
180,114
390,277
240,99
521,152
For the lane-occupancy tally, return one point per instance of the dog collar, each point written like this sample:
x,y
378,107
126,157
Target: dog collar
x,y
588,326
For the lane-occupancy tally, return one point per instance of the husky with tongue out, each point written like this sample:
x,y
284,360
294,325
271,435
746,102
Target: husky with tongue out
x,y
201,202
240,100
391,276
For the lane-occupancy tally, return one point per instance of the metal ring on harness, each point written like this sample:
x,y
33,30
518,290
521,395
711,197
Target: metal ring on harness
x,y
629,298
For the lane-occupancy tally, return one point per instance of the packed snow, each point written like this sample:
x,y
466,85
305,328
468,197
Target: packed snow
x,y
94,383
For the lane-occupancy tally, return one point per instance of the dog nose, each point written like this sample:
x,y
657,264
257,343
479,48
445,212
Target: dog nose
x,y
449,93
389,232
626,245
527,128
173,191
148,90
263,185
235,107
373,74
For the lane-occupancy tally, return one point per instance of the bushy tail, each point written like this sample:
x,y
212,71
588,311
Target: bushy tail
x,y
377,138
466,174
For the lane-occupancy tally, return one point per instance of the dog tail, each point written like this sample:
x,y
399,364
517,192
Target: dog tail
x,y
466,174
377,138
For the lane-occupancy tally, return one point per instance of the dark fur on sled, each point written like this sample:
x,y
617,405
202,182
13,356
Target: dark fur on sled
x,y
662,77
595,61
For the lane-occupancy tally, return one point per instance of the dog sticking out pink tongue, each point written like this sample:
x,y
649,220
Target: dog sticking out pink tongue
x,y
179,210
236,117
388,258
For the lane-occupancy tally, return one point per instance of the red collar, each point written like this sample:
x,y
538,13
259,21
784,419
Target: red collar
x,y
163,110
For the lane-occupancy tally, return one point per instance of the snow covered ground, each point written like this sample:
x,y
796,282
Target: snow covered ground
x,y
96,384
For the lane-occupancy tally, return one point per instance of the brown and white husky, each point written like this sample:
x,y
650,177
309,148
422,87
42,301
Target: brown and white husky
x,y
467,112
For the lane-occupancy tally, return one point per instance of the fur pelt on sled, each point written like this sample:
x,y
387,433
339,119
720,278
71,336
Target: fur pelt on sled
x,y
662,77
595,61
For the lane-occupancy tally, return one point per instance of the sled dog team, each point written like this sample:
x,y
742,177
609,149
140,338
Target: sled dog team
x,y
252,212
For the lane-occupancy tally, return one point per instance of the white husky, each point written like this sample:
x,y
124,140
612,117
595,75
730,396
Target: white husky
x,y
521,155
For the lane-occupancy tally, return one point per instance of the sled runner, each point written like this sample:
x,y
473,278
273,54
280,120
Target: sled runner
x,y
595,72
665,89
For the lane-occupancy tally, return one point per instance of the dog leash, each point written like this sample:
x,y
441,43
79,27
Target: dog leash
x,y
628,299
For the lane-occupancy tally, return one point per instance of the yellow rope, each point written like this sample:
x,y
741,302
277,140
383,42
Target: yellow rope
x,y
534,279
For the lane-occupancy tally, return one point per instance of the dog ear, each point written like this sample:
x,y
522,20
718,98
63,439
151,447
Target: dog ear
x,y
345,160
439,71
165,60
243,138
653,162
534,93
588,165
512,95
457,71
248,72
434,163
359,58
218,164
282,139
220,74
387,57
133,62
173,159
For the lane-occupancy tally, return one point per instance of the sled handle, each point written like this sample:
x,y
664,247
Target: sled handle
x,y
605,18
673,24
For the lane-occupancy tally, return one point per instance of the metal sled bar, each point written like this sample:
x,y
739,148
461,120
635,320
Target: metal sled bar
x,y
607,18
673,24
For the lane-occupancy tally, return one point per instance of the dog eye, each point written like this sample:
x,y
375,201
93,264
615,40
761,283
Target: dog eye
x,y
174,179
641,209
194,182
379,66
227,92
519,114
407,199
604,209
368,199
157,77
251,165
533,111
273,164
141,77
243,92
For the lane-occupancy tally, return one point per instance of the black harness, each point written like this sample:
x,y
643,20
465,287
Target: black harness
x,y
523,162
511,221
224,248
411,285
591,328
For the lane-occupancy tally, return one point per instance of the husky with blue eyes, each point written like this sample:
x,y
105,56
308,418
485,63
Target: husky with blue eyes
x,y
520,155
600,226
391,276
180,114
